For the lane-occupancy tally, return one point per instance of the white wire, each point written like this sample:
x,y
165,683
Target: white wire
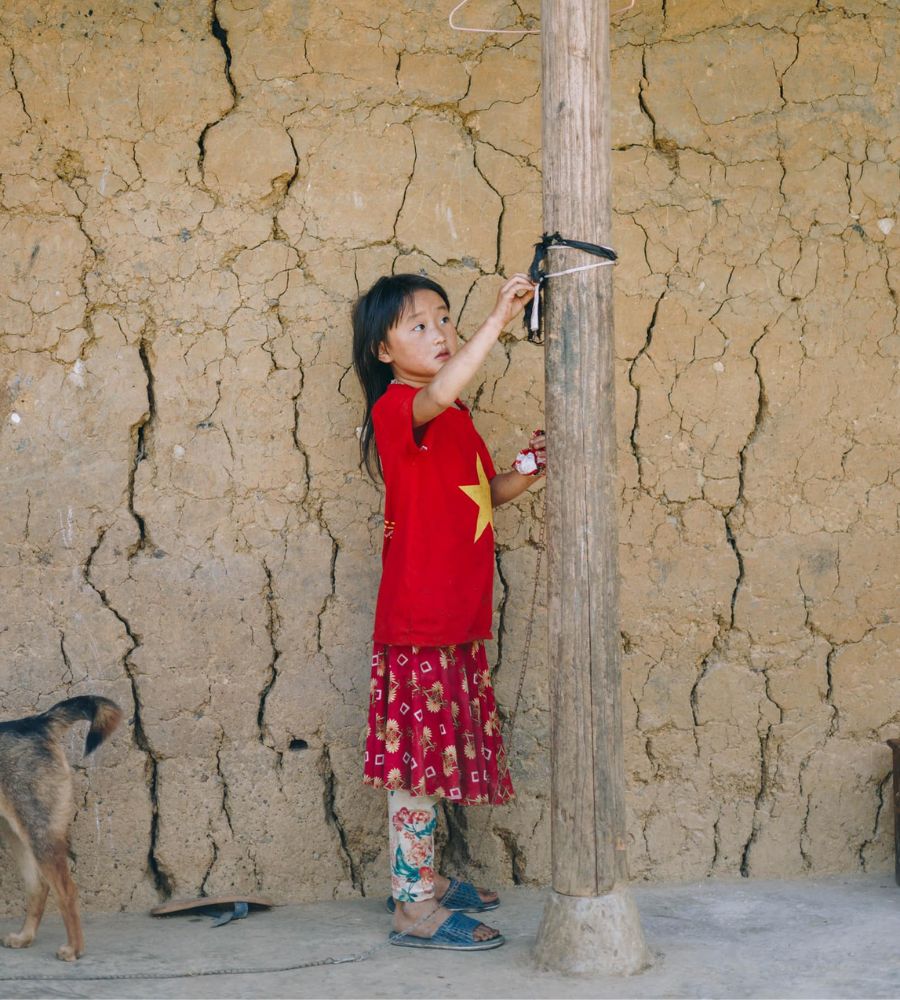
x,y
508,31
572,270
534,322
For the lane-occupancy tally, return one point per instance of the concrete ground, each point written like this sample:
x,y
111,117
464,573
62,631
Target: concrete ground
x,y
837,937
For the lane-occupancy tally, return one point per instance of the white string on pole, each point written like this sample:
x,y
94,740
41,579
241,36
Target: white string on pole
x,y
534,319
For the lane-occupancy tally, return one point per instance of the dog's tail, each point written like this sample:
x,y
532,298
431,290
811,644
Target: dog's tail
x,y
104,715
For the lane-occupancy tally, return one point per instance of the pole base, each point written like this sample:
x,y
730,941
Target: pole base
x,y
599,935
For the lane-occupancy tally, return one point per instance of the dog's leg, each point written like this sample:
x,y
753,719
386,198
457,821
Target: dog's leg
x,y
35,887
55,870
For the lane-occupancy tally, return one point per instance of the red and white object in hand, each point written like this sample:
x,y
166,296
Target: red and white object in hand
x,y
532,461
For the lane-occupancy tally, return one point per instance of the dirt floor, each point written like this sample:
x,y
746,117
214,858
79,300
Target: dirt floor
x,y
817,938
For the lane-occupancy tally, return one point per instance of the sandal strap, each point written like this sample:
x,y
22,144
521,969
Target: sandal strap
x,y
461,895
456,929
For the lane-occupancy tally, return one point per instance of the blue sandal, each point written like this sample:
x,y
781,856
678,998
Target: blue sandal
x,y
461,897
456,933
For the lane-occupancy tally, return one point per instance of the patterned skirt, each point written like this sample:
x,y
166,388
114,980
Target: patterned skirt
x,y
433,726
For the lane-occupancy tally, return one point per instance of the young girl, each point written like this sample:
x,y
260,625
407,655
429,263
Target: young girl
x,y
433,729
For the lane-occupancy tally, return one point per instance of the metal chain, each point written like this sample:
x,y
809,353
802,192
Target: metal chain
x,y
190,974
361,956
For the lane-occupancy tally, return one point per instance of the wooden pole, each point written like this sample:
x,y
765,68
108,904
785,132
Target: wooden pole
x,y
588,780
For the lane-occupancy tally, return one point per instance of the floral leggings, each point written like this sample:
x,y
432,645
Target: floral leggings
x,y
412,819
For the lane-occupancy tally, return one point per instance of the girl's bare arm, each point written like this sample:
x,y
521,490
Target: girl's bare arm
x,y
506,486
444,389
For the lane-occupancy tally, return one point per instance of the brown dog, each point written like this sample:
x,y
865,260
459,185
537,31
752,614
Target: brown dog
x,y
36,809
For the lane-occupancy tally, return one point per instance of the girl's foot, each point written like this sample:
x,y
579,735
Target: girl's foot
x,y
423,919
441,885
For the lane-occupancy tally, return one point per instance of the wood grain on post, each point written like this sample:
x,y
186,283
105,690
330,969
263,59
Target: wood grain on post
x,y
588,783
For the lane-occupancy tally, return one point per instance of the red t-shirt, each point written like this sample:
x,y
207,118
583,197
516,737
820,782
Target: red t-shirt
x,y
438,557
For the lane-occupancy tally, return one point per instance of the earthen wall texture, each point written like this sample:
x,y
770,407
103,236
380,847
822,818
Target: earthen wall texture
x,y
192,196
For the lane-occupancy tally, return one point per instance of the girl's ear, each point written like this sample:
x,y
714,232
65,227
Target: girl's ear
x,y
383,354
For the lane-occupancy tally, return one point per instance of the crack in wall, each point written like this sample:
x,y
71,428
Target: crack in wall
x,y
803,841
780,76
212,864
162,879
666,147
502,200
517,859
142,432
69,677
273,625
829,691
764,742
329,597
760,795
412,172
333,818
226,808
635,448
881,788
295,435
16,87
221,36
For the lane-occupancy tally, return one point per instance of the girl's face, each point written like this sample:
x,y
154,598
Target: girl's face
x,y
421,341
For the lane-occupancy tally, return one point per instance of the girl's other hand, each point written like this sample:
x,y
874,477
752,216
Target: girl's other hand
x,y
515,294
532,461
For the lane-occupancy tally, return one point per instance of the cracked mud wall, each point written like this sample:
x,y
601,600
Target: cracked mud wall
x,y
192,195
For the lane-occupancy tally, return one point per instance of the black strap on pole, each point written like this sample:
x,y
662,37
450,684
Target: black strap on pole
x,y
539,274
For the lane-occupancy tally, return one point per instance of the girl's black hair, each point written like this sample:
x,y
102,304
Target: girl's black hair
x,y
374,313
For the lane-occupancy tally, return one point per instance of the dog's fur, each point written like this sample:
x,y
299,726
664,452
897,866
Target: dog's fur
x,y
36,809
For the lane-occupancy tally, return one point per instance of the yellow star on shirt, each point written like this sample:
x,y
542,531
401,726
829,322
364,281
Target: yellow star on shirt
x,y
480,492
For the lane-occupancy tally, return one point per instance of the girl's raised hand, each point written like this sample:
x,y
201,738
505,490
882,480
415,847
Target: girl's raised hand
x,y
514,295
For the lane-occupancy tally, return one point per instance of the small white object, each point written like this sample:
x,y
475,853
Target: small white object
x,y
719,367
535,323
886,225
178,451
14,418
